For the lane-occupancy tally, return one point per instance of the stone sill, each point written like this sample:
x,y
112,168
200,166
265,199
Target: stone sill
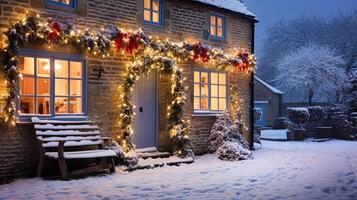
x,y
206,114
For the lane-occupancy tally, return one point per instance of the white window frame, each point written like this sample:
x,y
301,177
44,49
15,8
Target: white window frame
x,y
209,110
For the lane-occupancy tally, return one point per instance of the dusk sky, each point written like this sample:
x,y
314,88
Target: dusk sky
x,y
272,11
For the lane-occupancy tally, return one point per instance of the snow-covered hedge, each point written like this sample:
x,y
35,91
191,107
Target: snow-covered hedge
x,y
298,115
258,112
317,113
226,141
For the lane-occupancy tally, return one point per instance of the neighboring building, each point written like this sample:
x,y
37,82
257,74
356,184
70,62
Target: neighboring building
x,y
269,99
86,86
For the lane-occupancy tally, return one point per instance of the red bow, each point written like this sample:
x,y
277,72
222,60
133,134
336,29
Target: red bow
x,y
54,33
200,51
119,40
133,43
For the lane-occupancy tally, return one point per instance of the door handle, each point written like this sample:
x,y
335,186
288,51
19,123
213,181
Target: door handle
x,y
141,109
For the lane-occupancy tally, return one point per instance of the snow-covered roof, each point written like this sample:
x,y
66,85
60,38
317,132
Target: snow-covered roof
x,y
271,88
233,5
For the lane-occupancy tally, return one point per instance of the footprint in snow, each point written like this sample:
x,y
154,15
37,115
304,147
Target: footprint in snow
x,y
309,187
327,190
253,180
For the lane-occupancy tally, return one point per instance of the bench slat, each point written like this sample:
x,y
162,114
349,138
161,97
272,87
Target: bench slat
x,y
65,127
73,143
66,133
70,138
83,154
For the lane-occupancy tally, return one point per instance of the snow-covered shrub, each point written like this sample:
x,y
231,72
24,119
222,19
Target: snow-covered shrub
x,y
298,115
219,132
233,151
317,113
258,113
131,159
226,141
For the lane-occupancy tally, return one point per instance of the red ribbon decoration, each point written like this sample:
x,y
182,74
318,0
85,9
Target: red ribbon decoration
x,y
55,32
133,43
119,40
200,51
245,62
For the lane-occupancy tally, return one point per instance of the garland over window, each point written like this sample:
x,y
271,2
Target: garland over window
x,y
154,54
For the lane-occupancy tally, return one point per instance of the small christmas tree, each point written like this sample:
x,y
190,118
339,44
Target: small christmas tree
x,y
219,132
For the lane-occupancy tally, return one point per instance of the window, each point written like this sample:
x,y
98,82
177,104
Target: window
x,y
51,86
66,3
153,11
217,26
210,91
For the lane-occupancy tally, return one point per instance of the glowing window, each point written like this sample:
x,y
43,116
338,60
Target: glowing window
x,y
210,91
153,11
65,3
217,26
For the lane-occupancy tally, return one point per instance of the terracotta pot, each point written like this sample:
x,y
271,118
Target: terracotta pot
x,y
290,135
299,134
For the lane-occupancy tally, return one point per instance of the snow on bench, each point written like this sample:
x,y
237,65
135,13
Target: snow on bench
x,y
73,143
66,133
65,127
83,154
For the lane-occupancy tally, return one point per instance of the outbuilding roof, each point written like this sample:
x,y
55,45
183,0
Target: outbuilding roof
x,y
233,5
269,87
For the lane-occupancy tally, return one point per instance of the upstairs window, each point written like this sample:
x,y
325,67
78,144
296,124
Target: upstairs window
x,y
210,91
153,11
65,3
217,26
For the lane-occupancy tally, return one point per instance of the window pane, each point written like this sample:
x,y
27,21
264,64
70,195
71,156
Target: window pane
x,y
214,91
61,105
219,21
61,87
213,20
67,2
214,78
222,79
61,68
222,104
76,70
43,67
204,77
219,32
43,86
204,90
27,85
43,105
196,77
76,87
213,30
222,91
147,15
75,105
196,103
156,5
214,103
204,103
147,4
155,17
27,65
196,90
27,105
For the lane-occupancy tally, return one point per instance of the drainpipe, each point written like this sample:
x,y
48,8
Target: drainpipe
x,y
252,96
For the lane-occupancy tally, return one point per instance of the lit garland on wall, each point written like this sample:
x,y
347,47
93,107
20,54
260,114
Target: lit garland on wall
x,y
154,54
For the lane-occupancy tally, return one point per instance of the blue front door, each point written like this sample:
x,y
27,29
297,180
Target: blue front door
x,y
264,107
144,98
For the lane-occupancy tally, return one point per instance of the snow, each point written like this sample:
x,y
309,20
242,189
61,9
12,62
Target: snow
x,y
60,127
274,134
64,133
280,170
161,161
148,149
271,88
73,143
233,5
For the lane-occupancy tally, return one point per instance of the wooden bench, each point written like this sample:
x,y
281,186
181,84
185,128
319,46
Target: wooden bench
x,y
69,140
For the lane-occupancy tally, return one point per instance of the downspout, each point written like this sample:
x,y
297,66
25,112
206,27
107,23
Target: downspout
x,y
252,96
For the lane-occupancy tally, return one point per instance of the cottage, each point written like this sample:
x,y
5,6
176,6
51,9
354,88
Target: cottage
x,y
145,71
269,100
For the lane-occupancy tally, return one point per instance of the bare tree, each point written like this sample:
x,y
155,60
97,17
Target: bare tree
x,y
313,69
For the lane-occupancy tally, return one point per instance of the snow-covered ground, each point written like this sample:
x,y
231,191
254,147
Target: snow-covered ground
x,y
274,134
280,170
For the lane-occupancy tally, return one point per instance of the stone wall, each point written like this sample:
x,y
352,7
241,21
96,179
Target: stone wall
x,y
183,20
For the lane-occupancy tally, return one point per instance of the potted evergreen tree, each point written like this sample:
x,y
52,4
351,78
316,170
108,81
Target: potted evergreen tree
x,y
298,116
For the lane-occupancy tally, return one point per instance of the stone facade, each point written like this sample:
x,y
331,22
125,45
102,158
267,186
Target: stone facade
x,y
183,20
